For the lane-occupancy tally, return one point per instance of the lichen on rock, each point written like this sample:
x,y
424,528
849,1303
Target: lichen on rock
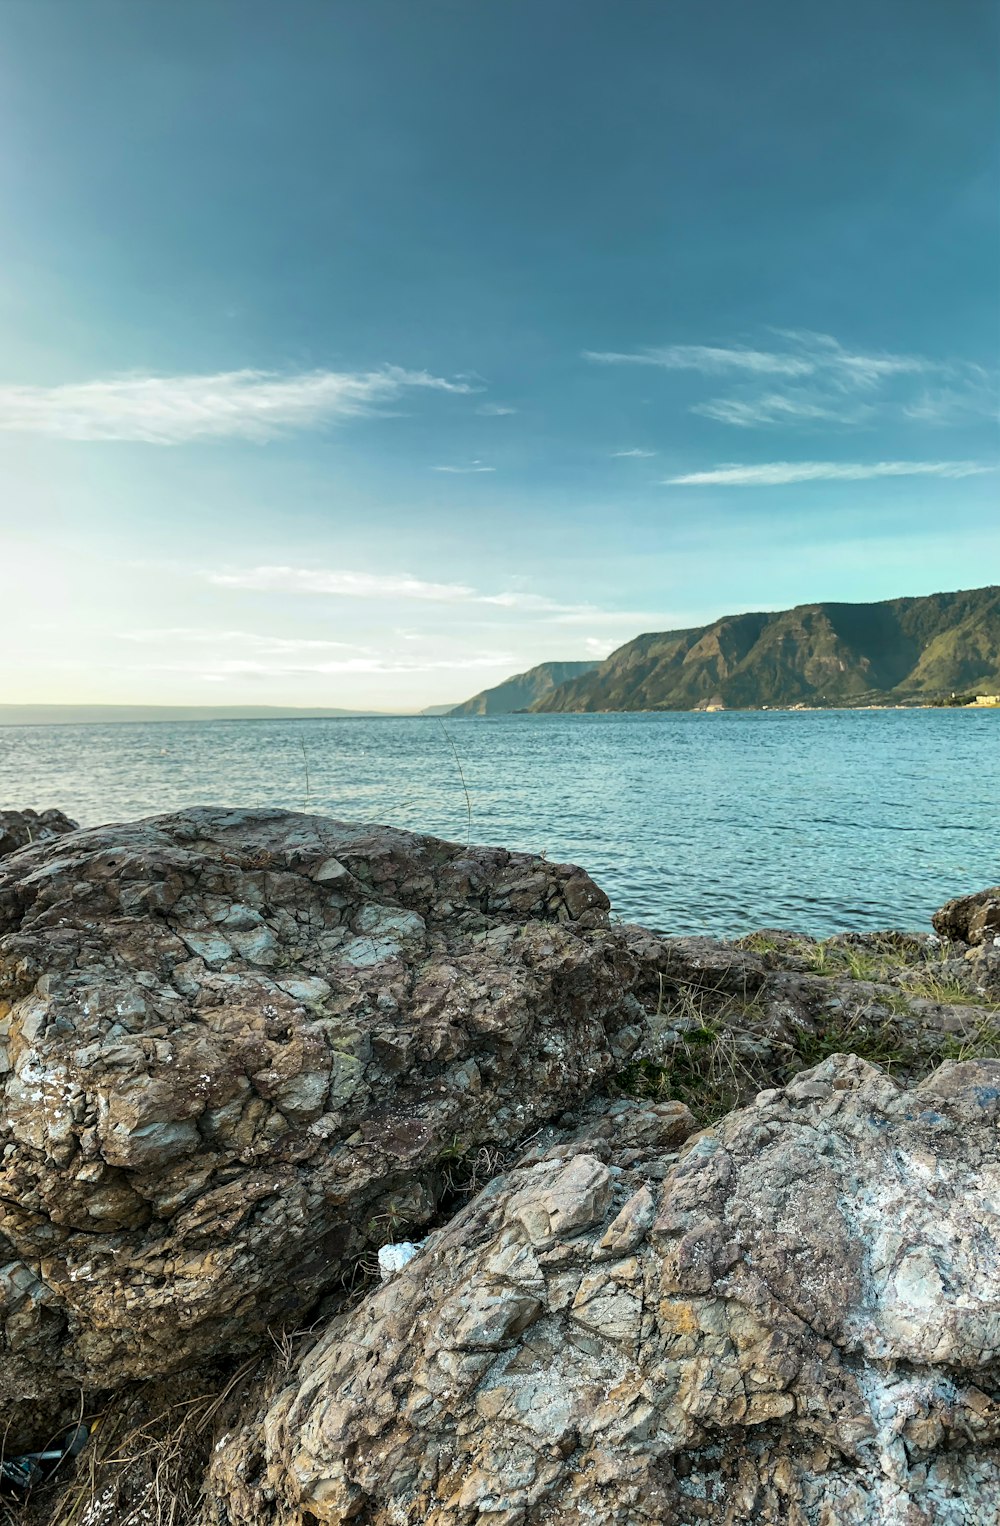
x,y
796,1320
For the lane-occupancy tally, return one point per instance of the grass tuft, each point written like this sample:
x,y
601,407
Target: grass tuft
x,y
710,1065
713,1051
946,993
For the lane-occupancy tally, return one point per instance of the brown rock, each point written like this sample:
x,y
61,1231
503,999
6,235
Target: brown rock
x,y
972,919
236,1049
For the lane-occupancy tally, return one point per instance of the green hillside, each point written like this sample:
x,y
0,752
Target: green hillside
x,y
814,654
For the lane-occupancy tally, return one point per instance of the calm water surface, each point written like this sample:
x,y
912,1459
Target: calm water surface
x,y
692,823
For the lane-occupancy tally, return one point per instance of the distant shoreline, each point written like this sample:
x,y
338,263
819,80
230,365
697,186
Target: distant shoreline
x,y
57,715
98,715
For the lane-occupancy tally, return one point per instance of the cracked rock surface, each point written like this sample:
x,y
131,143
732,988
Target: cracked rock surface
x,y
235,1049
797,1320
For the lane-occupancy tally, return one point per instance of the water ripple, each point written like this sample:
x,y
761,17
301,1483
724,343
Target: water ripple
x,y
692,823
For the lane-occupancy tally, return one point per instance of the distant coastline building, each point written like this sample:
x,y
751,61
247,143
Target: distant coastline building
x,y
983,700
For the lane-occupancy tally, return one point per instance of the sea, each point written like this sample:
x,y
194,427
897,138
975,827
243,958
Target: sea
x,y
718,823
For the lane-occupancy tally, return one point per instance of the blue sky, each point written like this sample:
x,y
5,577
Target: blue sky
x,y
362,353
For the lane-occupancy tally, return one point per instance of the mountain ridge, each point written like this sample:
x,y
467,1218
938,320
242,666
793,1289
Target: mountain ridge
x,y
522,690
823,654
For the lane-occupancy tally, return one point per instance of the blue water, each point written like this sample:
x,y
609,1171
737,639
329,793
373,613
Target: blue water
x,y
719,823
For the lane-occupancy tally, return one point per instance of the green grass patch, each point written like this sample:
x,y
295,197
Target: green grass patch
x,y
713,1050
947,993
879,1042
760,943
709,1091
983,1043
706,1068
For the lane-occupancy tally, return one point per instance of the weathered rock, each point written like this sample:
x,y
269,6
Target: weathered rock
x,y
972,919
19,829
800,1324
235,1049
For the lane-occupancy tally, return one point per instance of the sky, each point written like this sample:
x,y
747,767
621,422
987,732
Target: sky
x,y
364,352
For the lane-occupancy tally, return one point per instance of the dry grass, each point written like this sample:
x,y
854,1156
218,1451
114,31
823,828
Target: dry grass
x,y
874,1034
710,1053
710,1067
881,963
464,1173
144,1465
982,1042
947,993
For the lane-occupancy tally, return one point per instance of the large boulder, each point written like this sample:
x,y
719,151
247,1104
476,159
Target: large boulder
x,y
798,1321
239,1048
19,829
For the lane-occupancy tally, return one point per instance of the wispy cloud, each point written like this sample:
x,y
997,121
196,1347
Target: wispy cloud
x,y
249,641
640,455
470,467
711,359
953,405
495,410
627,620
350,585
855,368
171,410
386,586
812,379
780,408
776,473
395,587
806,354
236,667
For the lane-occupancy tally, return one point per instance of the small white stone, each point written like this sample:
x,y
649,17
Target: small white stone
x,y
392,1258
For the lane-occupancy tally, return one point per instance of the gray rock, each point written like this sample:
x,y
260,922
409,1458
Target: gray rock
x,y
808,1331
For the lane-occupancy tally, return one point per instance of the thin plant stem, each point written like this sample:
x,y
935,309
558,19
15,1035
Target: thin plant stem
x,y
461,775
305,765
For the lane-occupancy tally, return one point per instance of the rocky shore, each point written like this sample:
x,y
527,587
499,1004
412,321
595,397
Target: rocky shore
x,y
707,1232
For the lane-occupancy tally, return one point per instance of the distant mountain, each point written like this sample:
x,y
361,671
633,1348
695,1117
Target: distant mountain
x,y
814,654
437,710
78,715
524,689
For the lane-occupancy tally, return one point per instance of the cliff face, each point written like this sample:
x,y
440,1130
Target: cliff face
x,y
813,654
524,690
